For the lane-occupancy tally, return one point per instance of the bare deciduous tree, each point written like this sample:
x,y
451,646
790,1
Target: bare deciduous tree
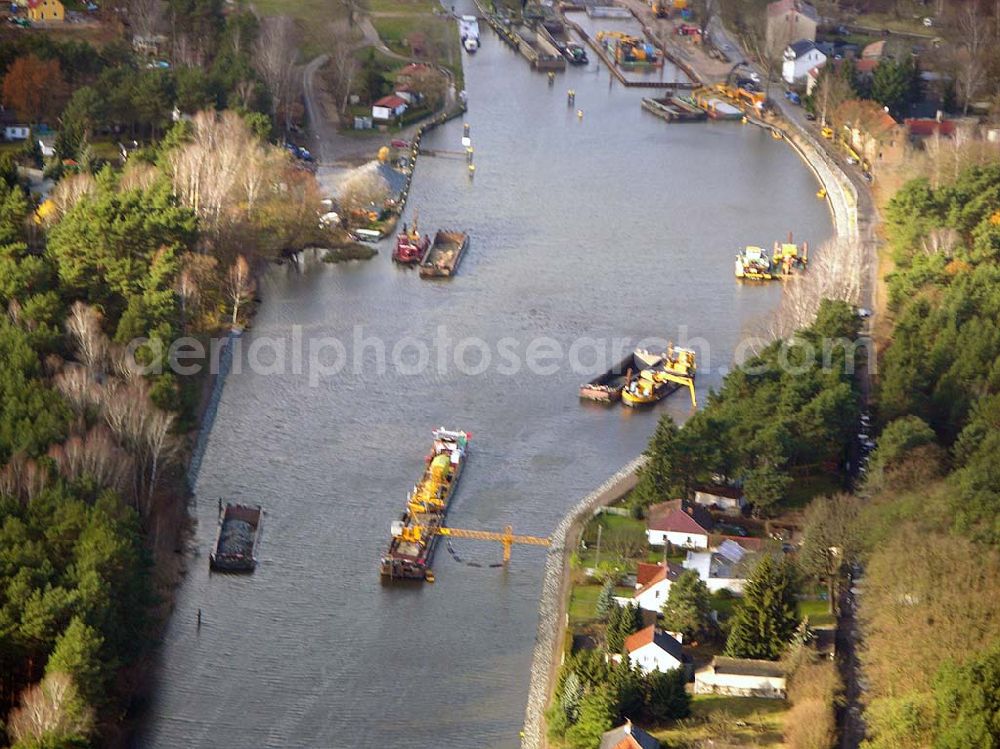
x,y
23,478
84,326
145,16
275,54
343,67
76,385
973,45
94,455
239,284
68,192
837,271
50,710
363,189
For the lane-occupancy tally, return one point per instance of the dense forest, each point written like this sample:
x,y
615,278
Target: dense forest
x,y
93,433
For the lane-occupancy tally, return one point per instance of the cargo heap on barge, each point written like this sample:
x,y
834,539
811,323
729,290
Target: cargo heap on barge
x,y
414,535
607,388
237,538
443,256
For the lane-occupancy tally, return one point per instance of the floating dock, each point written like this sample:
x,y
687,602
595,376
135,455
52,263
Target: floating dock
x,y
674,109
415,534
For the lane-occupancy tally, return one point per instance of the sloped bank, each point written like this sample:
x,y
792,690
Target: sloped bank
x,y
552,604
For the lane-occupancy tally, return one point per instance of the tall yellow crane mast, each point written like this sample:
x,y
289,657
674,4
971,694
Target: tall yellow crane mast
x,y
419,534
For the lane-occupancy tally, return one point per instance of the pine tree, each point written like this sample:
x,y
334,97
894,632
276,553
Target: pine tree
x,y
614,638
572,694
688,607
666,698
597,713
628,687
606,599
77,653
765,621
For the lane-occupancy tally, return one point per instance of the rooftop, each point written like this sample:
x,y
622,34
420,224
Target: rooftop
x,y
661,639
678,516
745,667
627,736
648,575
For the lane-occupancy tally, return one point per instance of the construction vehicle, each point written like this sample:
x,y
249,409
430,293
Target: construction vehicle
x,y
664,8
827,132
742,96
788,256
753,264
677,369
420,534
628,49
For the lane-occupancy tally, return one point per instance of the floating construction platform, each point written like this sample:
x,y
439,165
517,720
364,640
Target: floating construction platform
x,y
674,109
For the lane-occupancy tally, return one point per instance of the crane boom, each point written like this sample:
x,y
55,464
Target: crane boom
x,y
507,538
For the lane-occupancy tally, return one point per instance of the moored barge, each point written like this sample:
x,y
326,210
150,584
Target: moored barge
x,y
443,256
237,538
607,388
414,535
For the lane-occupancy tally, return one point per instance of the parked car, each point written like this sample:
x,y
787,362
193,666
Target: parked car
x,y
793,97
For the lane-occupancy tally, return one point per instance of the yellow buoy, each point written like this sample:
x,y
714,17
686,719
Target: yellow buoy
x,y
579,114
822,193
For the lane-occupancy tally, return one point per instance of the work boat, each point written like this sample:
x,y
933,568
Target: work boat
x,y
677,369
410,246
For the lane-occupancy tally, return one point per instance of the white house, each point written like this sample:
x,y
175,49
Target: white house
x,y
718,569
388,108
741,677
724,498
652,585
16,131
680,523
801,57
651,649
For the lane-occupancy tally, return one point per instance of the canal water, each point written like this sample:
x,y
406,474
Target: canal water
x,y
610,225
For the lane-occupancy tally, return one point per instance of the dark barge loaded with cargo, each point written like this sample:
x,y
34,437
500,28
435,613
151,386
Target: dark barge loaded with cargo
x,y
607,388
443,256
237,538
415,534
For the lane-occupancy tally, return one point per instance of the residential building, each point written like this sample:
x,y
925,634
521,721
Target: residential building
x,y
652,649
726,499
917,129
388,108
719,569
680,523
787,22
16,131
800,57
872,132
652,585
741,677
628,736
46,11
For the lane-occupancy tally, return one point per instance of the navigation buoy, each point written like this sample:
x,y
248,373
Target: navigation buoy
x,y
579,114
570,97
466,132
552,77
472,170
468,154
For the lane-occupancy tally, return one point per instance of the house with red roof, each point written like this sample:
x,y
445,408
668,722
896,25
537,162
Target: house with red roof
x,y
652,649
680,523
872,132
920,128
652,585
388,108
627,736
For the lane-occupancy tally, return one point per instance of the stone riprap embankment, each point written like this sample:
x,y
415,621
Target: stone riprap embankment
x,y
551,609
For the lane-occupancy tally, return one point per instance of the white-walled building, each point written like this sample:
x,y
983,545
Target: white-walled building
x,y
741,677
724,498
800,57
680,523
388,108
718,569
652,585
651,649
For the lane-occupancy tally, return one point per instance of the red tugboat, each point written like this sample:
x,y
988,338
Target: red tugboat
x,y
410,246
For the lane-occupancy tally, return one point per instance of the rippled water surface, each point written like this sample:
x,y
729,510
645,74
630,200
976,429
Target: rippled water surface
x,y
615,224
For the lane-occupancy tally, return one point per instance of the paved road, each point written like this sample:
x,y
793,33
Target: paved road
x,y
851,716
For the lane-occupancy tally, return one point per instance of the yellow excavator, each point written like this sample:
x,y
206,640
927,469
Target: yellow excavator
x,y
628,48
678,368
